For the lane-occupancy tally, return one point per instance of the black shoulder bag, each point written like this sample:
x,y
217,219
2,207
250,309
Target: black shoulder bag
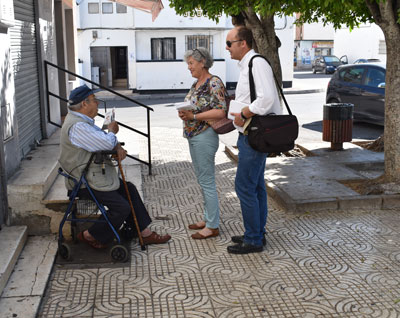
x,y
271,133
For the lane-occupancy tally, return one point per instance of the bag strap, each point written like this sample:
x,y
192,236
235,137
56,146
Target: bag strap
x,y
252,87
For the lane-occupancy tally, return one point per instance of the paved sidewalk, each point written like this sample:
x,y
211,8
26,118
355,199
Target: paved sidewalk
x,y
339,264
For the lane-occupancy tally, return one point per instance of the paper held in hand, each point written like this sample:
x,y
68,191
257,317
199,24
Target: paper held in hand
x,y
108,118
184,106
235,107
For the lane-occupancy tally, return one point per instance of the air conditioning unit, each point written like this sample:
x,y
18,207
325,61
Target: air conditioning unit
x,y
6,13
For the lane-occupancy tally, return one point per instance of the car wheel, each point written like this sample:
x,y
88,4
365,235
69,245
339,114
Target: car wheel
x,y
326,70
314,70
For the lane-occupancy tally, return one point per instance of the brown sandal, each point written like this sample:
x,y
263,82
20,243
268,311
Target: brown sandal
x,y
196,227
198,236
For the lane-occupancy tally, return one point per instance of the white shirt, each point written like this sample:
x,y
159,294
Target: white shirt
x,y
267,99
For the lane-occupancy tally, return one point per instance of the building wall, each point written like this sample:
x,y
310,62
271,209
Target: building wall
x,y
138,31
284,28
8,120
155,75
143,41
354,44
99,21
311,40
169,19
107,38
317,31
47,50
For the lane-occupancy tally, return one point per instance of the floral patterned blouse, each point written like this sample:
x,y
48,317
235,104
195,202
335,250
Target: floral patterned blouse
x,y
210,95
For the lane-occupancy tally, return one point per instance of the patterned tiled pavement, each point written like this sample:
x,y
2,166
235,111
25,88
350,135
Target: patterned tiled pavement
x,y
324,264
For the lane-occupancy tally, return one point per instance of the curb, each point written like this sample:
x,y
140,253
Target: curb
x,y
283,199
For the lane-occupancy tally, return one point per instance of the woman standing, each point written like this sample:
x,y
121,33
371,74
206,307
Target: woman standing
x,y
207,97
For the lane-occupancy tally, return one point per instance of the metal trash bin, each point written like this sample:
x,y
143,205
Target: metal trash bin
x,y
337,125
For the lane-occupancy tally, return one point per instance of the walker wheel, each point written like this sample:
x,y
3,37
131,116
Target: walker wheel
x,y
64,251
119,253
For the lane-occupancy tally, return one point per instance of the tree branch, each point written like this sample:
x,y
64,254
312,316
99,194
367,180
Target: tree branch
x,y
375,10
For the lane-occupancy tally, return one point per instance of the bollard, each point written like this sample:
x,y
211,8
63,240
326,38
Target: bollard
x,y
337,125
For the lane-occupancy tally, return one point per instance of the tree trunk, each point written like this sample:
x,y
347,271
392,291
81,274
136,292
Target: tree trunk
x,y
392,108
265,37
386,19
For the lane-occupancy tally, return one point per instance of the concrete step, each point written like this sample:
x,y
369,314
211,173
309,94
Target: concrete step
x,y
26,286
28,187
120,83
12,241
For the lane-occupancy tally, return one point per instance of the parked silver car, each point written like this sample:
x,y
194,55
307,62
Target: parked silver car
x,y
359,61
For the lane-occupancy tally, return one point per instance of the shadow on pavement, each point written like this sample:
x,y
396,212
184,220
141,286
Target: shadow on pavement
x,y
360,130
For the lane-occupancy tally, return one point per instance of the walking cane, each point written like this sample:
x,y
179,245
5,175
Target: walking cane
x,y
143,247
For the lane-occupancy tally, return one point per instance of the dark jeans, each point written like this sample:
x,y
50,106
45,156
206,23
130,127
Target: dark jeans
x,y
119,211
251,191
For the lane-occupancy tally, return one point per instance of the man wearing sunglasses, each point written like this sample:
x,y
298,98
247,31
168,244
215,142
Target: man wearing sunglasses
x,y
249,182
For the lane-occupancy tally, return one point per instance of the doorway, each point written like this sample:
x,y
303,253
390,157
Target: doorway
x,y
110,66
119,60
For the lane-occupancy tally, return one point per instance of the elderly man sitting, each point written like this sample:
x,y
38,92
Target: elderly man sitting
x,y
79,138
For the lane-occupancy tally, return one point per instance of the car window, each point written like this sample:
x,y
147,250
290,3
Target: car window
x,y
374,77
331,59
352,75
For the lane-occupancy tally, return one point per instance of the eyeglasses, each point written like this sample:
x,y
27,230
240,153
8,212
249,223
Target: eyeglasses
x,y
229,43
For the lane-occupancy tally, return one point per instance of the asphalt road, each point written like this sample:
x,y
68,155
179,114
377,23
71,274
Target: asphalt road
x,y
307,107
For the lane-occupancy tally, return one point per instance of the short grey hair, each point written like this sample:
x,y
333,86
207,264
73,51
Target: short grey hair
x,y
75,107
201,54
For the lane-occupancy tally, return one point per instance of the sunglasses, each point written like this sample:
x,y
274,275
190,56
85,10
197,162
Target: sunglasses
x,y
229,43
199,52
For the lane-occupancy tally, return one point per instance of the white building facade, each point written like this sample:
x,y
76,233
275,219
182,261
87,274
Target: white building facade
x,y
367,41
121,47
312,40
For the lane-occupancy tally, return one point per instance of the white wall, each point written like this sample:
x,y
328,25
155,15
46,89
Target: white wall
x,y
108,38
361,42
114,20
7,93
169,19
143,41
285,29
317,31
158,75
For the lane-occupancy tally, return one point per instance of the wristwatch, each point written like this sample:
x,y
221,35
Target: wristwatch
x,y
243,116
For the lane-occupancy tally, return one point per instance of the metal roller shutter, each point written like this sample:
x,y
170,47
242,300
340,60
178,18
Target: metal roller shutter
x,y
25,62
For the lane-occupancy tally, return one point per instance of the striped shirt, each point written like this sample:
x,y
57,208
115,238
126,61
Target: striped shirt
x,y
88,136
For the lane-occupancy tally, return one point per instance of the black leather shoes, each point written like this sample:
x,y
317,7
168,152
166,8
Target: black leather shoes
x,y
239,239
244,248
